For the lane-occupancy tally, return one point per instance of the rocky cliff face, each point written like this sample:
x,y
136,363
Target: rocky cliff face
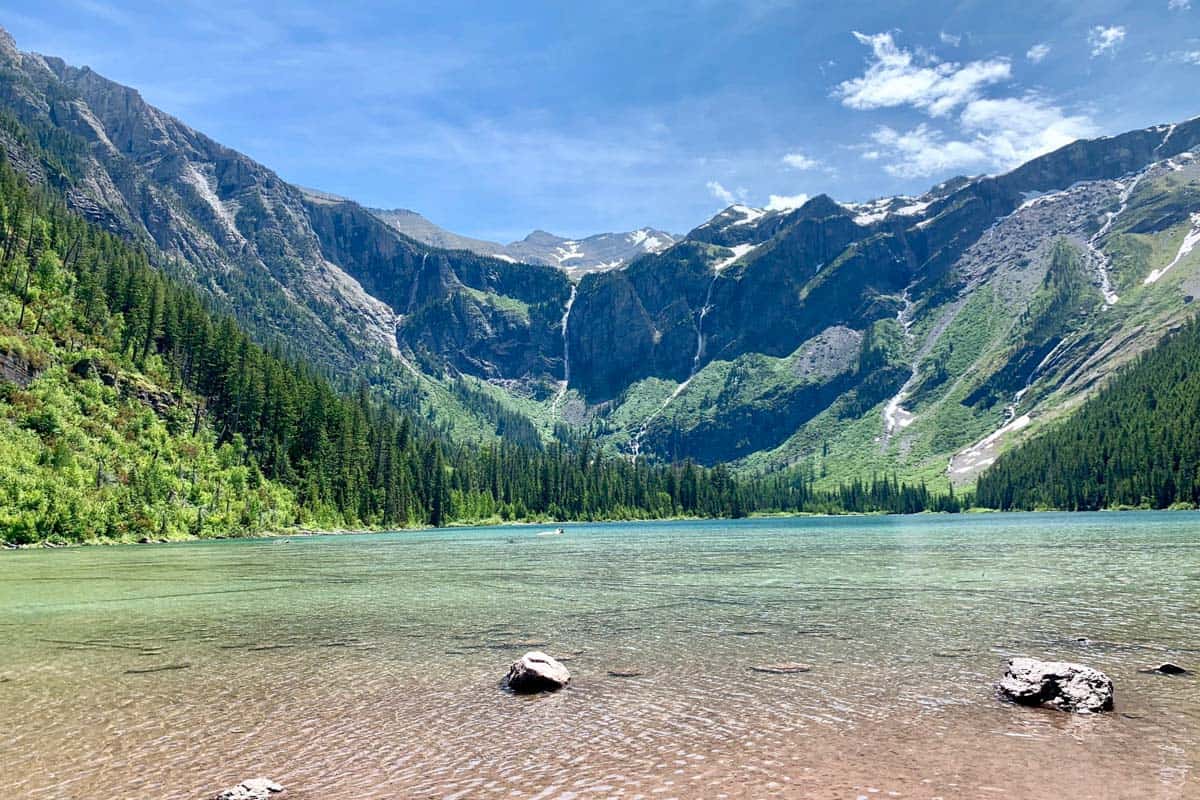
x,y
317,272
231,224
905,334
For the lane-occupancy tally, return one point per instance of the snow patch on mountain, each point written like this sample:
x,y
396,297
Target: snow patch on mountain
x,y
567,252
874,211
739,251
981,455
749,215
1190,240
648,241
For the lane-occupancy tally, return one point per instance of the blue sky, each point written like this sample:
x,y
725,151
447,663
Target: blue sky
x,y
585,117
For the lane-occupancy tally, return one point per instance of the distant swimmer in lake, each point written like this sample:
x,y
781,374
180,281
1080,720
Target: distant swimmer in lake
x,y
555,532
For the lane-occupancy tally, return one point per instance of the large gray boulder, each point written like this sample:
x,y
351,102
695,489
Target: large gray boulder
x,y
1056,684
537,672
252,789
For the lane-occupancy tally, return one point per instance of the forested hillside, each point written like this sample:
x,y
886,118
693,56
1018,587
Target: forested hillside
x,y
130,409
1136,443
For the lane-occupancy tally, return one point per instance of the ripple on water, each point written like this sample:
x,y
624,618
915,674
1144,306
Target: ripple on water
x,y
371,671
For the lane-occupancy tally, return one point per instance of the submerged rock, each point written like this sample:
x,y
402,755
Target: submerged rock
x,y
252,789
1056,684
537,672
785,668
1166,668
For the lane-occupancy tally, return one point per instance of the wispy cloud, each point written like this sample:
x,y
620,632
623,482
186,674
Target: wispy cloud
x,y
986,132
895,78
921,152
800,161
1105,39
1179,5
721,193
952,39
1038,52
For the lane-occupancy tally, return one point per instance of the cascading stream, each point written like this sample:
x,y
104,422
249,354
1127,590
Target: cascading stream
x,y
566,342
412,294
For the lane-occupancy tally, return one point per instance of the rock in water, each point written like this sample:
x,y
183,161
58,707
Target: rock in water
x,y
537,672
252,789
1166,668
1057,684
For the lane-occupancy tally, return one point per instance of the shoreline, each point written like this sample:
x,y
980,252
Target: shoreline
x,y
312,532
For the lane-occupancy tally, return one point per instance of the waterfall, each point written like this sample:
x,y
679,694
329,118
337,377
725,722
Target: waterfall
x,y
700,326
412,294
566,381
1100,259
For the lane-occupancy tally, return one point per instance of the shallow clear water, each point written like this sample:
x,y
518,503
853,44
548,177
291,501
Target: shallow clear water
x,y
369,666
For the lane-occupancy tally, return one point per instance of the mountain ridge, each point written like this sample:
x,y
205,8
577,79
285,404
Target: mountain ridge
x,y
595,253
912,334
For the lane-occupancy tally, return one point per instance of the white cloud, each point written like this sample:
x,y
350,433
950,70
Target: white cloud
x,y
982,133
800,161
1179,5
995,134
785,202
1105,39
952,39
894,78
1015,129
1187,57
721,193
921,152
1038,52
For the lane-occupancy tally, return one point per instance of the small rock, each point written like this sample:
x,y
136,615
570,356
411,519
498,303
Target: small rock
x,y
1166,668
1056,684
537,672
252,789
785,668
623,673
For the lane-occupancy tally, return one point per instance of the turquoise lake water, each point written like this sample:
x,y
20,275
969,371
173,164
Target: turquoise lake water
x,y
369,666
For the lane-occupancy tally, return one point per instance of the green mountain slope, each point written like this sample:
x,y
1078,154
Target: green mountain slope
x,y
1136,443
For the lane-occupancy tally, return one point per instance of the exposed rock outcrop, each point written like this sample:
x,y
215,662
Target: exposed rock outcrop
x,y
18,370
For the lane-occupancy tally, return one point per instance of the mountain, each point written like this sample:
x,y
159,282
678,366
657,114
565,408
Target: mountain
x,y
897,334
603,251
919,336
130,411
417,227
1135,444
312,272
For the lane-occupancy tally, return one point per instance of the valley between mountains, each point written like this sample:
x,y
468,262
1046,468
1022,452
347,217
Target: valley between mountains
x,y
909,336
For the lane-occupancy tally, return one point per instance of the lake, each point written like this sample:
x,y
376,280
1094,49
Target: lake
x,y
370,666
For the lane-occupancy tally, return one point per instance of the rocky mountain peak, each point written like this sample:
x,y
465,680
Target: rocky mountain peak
x,y
8,47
